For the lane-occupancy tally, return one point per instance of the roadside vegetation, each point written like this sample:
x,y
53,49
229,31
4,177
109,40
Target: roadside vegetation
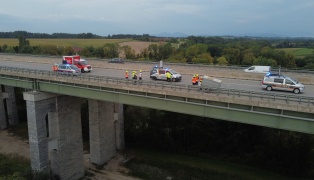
x,y
157,165
240,51
16,167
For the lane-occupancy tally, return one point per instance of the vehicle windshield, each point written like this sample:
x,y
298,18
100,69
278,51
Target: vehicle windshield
x,y
83,62
294,80
74,67
173,72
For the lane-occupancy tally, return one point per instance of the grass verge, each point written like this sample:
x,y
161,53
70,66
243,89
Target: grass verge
x,y
155,165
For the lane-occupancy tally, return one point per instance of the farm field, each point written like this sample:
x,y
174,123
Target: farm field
x,y
64,42
137,46
298,52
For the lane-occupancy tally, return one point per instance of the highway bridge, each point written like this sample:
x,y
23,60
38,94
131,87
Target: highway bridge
x,y
239,100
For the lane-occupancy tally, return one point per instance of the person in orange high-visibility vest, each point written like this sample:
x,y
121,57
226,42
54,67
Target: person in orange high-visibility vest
x,y
196,78
193,80
126,74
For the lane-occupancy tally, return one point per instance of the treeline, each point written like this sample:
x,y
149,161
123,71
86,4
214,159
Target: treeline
x,y
285,152
15,34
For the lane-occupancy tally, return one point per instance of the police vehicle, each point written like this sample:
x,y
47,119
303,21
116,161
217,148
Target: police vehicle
x,y
281,82
160,74
68,69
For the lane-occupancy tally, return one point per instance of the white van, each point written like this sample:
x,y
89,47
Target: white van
x,y
258,69
160,74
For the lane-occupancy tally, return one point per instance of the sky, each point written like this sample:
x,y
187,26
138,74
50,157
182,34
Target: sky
x,y
191,17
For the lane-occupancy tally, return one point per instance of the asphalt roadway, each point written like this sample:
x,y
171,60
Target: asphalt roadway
x,y
186,79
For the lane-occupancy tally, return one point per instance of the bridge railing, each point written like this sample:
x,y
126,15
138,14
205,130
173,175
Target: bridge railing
x,y
268,96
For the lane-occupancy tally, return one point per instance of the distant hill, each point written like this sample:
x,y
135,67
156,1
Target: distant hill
x,y
174,35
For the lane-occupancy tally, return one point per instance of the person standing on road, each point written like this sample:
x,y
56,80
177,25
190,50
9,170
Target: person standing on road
x,y
140,75
168,75
126,74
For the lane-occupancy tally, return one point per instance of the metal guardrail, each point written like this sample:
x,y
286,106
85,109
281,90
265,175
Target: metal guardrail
x,y
283,70
268,96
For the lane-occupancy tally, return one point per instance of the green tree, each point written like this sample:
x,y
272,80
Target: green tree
x,y
129,52
47,50
290,61
9,49
111,50
222,61
153,52
233,55
143,53
164,51
263,61
87,51
178,57
22,42
248,59
203,58
99,52
195,50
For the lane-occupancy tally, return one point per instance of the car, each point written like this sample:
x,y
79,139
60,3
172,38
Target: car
x,y
68,69
153,71
281,82
116,60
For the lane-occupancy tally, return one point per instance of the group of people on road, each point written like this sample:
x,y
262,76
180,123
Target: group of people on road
x,y
134,75
197,80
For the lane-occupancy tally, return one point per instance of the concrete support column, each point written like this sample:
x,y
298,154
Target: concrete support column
x,y
102,131
11,106
38,105
3,121
66,139
119,125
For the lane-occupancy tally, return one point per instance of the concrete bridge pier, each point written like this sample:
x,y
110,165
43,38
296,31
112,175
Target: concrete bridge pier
x,y
66,143
3,121
11,106
106,130
38,105
7,96
119,125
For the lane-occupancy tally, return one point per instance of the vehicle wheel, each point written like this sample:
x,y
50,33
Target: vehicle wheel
x,y
82,71
173,80
154,78
296,91
268,88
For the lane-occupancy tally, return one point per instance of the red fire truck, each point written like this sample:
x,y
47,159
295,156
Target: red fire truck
x,y
77,61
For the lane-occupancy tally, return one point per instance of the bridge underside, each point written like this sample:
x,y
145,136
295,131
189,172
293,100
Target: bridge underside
x,y
287,120
249,114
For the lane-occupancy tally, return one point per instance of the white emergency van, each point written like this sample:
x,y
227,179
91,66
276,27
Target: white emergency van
x,y
258,69
281,82
160,74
